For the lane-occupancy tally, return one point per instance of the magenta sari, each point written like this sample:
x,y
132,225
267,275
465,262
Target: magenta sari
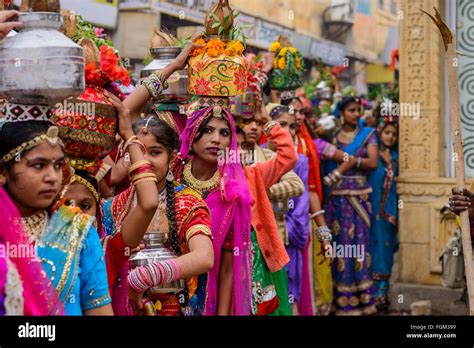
x,y
39,296
230,208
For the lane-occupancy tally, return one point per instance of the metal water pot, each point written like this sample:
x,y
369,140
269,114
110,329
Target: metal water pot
x,y
327,124
280,207
323,91
40,65
156,250
177,92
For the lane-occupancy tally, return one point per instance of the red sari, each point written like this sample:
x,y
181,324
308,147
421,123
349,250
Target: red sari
x,y
192,218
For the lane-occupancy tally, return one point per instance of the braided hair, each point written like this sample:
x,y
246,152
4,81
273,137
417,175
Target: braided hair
x,y
167,136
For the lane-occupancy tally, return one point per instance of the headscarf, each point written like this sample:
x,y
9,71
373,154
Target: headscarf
x,y
230,208
39,295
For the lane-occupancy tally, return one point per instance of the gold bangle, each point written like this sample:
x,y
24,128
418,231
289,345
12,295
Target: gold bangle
x,y
139,143
145,180
267,128
133,137
143,175
137,165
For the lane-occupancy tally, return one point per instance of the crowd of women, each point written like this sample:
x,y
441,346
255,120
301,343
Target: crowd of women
x,y
305,226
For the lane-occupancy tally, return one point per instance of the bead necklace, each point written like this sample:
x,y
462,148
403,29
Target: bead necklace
x,y
198,185
35,224
350,135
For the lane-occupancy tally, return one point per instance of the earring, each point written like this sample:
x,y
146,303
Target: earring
x,y
169,176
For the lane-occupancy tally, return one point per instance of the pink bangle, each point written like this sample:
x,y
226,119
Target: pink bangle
x,y
175,268
145,277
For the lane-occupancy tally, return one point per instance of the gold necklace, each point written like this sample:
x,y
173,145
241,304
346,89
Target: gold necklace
x,y
198,185
35,224
350,135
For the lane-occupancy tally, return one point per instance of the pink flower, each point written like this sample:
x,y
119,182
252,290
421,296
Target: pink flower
x,y
98,31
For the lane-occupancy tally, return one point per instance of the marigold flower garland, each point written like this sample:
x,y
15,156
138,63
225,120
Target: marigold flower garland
x,y
216,47
288,67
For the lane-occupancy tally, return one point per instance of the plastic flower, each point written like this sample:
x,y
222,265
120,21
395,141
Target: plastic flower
x,y
275,62
282,64
198,51
293,50
283,51
275,46
215,48
234,48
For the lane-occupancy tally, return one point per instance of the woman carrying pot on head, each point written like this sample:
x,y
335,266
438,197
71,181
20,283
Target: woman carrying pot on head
x,y
209,133
83,192
181,214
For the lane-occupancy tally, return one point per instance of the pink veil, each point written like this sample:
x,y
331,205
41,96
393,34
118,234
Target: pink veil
x,y
40,297
230,207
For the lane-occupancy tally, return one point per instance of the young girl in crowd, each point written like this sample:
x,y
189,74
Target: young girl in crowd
x,y
383,231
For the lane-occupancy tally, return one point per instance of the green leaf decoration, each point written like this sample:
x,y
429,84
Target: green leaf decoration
x,y
216,18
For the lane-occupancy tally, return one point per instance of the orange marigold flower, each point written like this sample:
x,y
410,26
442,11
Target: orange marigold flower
x,y
282,64
234,48
298,63
215,48
198,51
